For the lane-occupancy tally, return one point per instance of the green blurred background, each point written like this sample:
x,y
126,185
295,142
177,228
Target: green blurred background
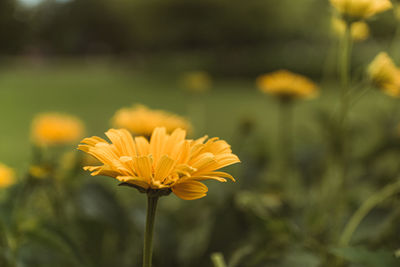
x,y
91,57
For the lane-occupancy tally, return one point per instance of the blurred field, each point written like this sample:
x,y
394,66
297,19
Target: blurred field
x,y
94,90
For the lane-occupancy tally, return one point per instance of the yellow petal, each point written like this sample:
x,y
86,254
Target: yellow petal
x,y
220,161
134,181
220,175
202,161
143,167
175,142
142,146
164,168
157,143
190,190
92,141
101,170
123,141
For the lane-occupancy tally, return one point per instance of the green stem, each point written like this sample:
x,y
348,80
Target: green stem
x,y
148,235
218,259
364,209
345,86
285,135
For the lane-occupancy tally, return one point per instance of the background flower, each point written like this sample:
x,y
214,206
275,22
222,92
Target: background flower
x,y
140,120
196,81
56,129
385,74
286,84
7,176
360,9
359,29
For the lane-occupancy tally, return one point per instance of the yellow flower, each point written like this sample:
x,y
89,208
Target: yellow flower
x,y
7,176
287,85
397,12
39,172
360,9
385,75
56,129
196,81
359,30
165,163
140,120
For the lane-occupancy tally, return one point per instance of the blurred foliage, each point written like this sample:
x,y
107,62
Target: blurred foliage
x,y
57,215
224,37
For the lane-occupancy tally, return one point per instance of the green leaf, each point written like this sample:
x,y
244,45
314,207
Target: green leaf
x,y
368,258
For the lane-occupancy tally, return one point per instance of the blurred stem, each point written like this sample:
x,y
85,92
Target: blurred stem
x,y
285,134
218,259
148,234
394,44
364,209
345,87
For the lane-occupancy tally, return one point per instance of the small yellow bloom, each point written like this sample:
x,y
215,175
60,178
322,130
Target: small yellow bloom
x,y
360,9
359,30
166,162
287,85
385,75
397,12
39,172
7,176
140,120
56,129
197,81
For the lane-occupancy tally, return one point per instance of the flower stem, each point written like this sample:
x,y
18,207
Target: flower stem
x,y
148,235
285,135
344,94
364,209
218,259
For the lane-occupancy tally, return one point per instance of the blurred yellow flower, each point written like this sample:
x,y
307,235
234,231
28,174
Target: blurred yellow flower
x,y
165,163
39,172
140,120
287,85
56,129
359,30
397,12
360,9
196,81
385,75
7,176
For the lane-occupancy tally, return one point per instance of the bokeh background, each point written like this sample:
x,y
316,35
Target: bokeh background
x,y
90,58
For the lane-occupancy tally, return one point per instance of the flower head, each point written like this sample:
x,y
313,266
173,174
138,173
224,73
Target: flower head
x,y
141,120
286,84
166,162
196,81
360,9
7,176
385,75
359,30
56,129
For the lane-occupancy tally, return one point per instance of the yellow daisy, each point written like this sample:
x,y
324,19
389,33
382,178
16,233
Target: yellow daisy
x,y
168,162
287,85
7,176
360,9
140,120
385,75
56,129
